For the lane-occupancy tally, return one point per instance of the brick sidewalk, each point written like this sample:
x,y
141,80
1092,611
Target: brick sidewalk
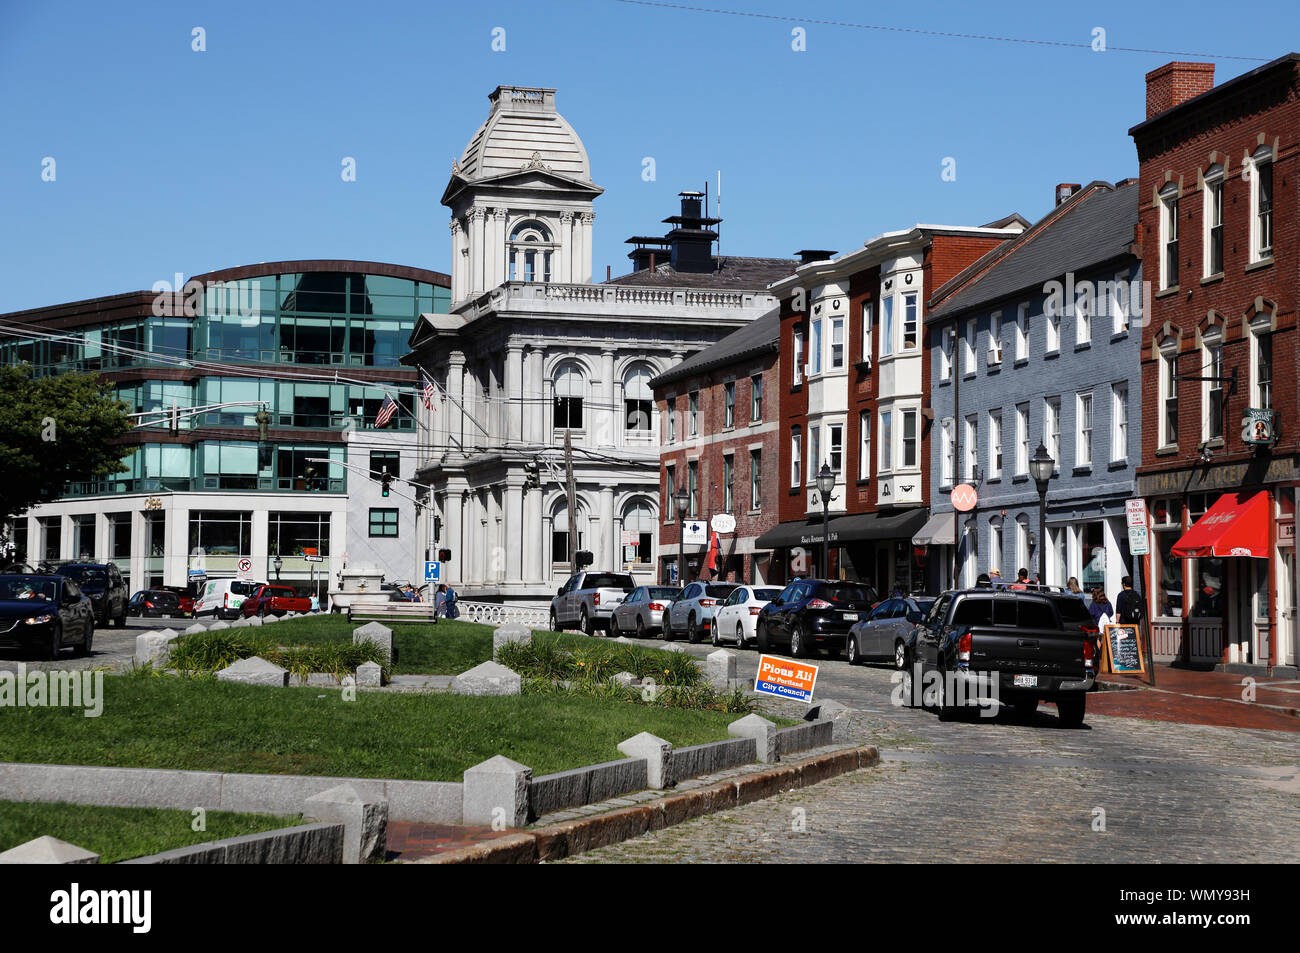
x,y
1203,698
408,840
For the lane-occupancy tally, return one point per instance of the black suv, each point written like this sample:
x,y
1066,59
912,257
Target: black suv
x,y
813,613
104,585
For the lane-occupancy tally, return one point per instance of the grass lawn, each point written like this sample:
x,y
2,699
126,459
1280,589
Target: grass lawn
x,y
120,833
448,648
202,724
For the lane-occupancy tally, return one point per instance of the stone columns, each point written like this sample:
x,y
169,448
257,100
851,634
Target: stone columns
x,y
516,534
603,545
584,258
496,249
455,388
514,391
534,536
534,408
457,265
259,548
610,415
452,537
477,244
177,533
566,248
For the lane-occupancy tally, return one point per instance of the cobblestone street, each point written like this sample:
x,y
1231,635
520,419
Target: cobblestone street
x,y
1006,789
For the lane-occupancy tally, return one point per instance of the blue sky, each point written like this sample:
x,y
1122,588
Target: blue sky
x,y
169,160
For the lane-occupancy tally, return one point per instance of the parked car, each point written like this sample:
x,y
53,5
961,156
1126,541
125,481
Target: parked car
x,y
223,598
812,614
104,585
1035,645
883,634
735,618
184,594
588,600
275,600
44,613
643,611
154,604
693,612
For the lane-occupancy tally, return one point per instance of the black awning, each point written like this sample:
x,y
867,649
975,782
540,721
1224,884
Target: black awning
x,y
900,524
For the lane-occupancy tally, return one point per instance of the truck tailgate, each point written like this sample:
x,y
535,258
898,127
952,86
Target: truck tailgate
x,y
1032,651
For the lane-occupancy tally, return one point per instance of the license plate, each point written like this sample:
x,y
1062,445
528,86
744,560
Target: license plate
x,y
1025,681
850,616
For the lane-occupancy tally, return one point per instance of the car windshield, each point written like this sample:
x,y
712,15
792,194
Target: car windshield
x,y
663,592
160,597
86,575
719,591
243,588
609,580
766,594
23,588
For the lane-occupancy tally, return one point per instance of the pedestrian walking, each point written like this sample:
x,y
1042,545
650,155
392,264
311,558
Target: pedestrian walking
x,y
440,602
1103,613
1128,604
1074,587
1022,579
315,602
995,579
453,611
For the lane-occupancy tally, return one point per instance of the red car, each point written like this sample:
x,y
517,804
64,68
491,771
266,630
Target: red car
x,y
275,600
184,595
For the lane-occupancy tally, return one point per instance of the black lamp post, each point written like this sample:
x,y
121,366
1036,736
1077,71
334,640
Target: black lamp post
x,y
1041,466
278,563
826,483
683,501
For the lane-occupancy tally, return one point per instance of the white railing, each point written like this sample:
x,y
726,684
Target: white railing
x,y
494,613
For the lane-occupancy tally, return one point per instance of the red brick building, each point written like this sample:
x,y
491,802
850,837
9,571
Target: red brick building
x,y
719,442
1219,181
854,396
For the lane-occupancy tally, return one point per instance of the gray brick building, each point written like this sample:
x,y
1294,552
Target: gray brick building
x,y
1040,343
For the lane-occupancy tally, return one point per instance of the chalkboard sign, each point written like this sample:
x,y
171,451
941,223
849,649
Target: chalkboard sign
x,y
1124,649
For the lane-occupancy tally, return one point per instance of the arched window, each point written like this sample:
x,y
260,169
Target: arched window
x,y
639,518
569,388
560,552
530,252
638,400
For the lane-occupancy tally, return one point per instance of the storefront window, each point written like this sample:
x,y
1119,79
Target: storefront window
x,y
1207,575
1092,556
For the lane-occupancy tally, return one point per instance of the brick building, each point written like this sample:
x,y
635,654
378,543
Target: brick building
x,y
1218,216
854,396
719,442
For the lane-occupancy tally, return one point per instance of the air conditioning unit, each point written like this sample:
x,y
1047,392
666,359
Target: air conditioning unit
x,y
994,356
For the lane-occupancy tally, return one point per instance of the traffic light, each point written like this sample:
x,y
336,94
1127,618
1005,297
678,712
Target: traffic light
x,y
385,482
444,555
532,475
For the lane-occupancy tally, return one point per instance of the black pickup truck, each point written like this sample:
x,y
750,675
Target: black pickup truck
x,y
984,646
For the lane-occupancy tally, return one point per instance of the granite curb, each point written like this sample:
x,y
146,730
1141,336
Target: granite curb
x,y
557,841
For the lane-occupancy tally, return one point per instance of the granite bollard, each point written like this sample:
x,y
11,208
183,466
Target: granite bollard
x,y
496,792
365,821
255,671
380,635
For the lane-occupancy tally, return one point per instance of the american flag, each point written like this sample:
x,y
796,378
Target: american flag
x,y
426,392
386,411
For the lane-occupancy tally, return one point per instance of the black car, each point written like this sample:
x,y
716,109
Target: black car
x,y
154,604
43,614
104,584
813,614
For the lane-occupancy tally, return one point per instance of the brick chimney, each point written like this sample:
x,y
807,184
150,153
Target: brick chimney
x,y
1065,189
1175,83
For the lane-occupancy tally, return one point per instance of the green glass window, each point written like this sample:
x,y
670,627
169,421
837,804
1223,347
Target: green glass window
x,y
383,522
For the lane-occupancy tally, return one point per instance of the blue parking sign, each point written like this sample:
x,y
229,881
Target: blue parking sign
x,y
432,572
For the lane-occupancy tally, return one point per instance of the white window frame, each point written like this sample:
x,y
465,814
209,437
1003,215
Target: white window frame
x,y
911,323
834,448
1212,187
995,445
1168,394
1083,308
1120,303
1258,252
815,345
728,404
1169,235
887,325
1022,331
886,441
836,330
948,451
1022,542
814,451
1053,322
672,419
1084,425
864,445
693,413
1259,332
797,371
947,340
995,544
1212,366
755,398
868,329
1022,439
972,444
796,457
1119,422
995,338
1052,428
968,346
755,480
909,417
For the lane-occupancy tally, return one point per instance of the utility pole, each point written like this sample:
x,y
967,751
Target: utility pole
x,y
573,503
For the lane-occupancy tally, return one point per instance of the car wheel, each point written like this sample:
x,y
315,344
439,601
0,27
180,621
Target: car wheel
x,y
84,648
668,628
740,635
120,621
909,689
55,645
614,632
714,635
851,650
261,612
692,634
798,642
900,654
585,623
555,624
946,710
1071,711
640,627
1025,706
762,637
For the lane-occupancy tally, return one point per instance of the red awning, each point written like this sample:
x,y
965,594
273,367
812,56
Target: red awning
x,y
1236,525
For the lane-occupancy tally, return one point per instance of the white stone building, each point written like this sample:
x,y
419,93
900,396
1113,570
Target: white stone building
x,y
532,348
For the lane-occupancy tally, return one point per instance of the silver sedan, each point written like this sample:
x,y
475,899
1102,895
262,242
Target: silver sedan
x,y
881,636
642,612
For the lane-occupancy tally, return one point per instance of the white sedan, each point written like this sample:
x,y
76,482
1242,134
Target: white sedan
x,y
734,619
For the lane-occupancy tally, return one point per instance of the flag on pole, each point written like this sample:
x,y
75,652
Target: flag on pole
x,y
426,390
386,411
711,562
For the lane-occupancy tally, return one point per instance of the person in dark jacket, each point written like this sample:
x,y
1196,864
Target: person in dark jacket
x,y
1101,610
1128,604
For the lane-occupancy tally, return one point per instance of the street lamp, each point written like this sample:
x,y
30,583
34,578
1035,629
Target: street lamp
x,y
683,501
1041,466
277,562
825,484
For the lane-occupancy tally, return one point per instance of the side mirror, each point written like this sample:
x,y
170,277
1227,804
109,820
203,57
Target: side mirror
x,y
560,591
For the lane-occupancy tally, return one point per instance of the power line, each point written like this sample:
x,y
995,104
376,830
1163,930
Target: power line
x,y
947,34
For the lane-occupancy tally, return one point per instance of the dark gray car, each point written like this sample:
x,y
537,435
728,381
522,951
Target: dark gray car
x,y
883,634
